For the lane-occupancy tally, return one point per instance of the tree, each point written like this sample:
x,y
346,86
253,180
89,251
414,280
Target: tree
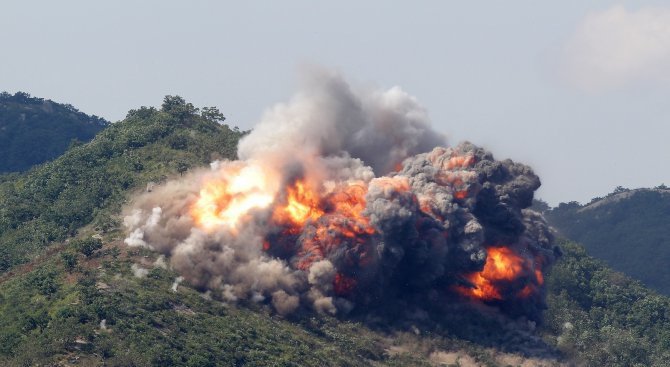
x,y
620,189
69,260
213,114
178,107
87,246
142,113
540,205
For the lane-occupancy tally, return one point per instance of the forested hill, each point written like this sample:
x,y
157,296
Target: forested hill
x,y
629,229
89,182
72,294
36,130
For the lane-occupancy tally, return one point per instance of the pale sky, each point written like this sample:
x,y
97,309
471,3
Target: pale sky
x,y
576,89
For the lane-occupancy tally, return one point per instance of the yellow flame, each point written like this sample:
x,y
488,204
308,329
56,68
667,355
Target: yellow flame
x,y
225,202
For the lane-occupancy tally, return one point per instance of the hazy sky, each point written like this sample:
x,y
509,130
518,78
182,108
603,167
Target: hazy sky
x,y
577,89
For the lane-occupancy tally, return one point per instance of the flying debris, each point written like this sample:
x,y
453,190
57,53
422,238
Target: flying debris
x,y
344,200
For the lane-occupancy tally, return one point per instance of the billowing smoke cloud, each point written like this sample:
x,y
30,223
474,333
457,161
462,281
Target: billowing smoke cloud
x,y
327,118
344,200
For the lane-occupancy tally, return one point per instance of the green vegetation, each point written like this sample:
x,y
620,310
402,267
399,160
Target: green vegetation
x,y
35,130
627,228
87,246
115,318
601,317
89,183
73,294
98,311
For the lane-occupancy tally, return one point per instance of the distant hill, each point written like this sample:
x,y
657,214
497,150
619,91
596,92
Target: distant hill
x,y
629,229
36,130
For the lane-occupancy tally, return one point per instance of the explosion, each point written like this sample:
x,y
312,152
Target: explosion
x,y
226,201
503,267
345,200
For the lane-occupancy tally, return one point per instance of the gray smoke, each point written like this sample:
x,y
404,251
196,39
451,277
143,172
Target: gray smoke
x,y
328,118
426,223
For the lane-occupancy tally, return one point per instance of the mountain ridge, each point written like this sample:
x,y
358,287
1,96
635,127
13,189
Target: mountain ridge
x,y
614,197
627,229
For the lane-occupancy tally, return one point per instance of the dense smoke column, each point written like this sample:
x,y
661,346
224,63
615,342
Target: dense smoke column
x,y
346,200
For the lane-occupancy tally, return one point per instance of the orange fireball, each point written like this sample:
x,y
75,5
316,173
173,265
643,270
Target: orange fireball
x,y
502,265
302,204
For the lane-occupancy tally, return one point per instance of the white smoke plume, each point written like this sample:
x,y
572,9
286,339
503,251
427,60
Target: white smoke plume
x,y
328,118
139,271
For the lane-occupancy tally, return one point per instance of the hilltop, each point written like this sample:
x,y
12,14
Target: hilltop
x,y
35,130
627,228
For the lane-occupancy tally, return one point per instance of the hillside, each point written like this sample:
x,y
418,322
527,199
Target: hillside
x,y
73,294
88,184
36,130
627,228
